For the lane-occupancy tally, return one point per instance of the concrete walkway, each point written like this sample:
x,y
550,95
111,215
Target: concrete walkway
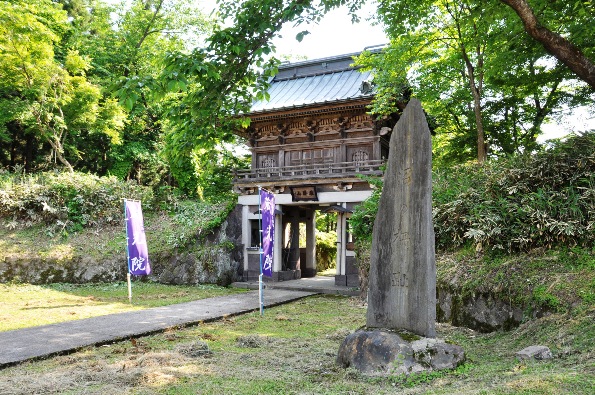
x,y
318,284
43,341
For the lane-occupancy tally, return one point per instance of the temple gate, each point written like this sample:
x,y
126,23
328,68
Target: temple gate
x,y
310,143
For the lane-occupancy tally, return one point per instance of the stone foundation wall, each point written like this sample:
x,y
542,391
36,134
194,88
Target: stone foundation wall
x,y
481,312
218,259
78,269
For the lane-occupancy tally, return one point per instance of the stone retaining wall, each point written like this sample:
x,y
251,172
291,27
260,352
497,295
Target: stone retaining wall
x,y
217,260
481,312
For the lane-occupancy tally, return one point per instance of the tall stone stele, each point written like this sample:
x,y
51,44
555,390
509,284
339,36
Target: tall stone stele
x,y
402,281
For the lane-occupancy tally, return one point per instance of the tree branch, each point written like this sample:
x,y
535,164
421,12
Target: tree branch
x,y
561,48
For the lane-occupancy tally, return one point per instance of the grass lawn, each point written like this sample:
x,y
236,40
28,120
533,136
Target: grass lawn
x,y
292,350
25,305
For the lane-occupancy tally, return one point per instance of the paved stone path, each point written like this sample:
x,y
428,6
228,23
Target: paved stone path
x,y
23,344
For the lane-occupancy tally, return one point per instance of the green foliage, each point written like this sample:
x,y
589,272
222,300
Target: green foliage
x,y
516,204
67,201
45,88
51,104
577,258
326,250
205,172
364,215
183,169
543,298
476,72
214,169
513,204
326,222
144,34
195,220
139,159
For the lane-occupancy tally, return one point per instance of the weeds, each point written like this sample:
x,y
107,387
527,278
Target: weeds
x,y
264,355
544,298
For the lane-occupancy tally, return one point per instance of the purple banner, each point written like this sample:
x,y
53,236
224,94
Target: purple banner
x,y
267,210
138,254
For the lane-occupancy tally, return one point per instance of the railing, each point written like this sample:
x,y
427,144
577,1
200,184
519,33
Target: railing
x,y
318,170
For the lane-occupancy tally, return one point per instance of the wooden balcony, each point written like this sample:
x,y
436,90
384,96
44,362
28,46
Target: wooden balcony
x,y
319,173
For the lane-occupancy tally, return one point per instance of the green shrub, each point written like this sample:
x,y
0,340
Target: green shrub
x,y
196,219
512,204
364,215
519,203
67,201
326,250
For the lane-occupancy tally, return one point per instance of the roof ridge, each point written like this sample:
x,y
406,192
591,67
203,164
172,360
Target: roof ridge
x,y
316,74
307,62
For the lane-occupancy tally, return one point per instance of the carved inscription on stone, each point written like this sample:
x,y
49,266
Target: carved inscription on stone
x,y
399,279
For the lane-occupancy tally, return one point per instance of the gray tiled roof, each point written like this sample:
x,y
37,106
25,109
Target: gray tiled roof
x,y
321,81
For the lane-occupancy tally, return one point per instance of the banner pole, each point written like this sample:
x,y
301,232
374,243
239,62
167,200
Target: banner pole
x,y
260,285
127,256
261,294
129,288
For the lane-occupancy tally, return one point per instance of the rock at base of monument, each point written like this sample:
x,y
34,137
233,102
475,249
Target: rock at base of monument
x,y
534,352
381,352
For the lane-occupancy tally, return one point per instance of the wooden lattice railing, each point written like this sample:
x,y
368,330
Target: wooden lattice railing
x,y
310,171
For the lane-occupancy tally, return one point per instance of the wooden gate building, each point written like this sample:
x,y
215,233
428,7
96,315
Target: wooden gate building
x,y
310,142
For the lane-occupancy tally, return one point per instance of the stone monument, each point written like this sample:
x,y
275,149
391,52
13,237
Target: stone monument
x,y
402,280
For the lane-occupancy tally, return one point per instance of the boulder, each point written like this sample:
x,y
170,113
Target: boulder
x,y
482,312
437,354
381,352
534,352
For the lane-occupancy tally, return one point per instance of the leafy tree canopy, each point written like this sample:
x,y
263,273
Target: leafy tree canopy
x,y
41,93
471,61
135,89
478,75
222,78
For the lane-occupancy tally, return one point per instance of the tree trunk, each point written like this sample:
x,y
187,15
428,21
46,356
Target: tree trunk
x,y
476,88
59,153
558,46
29,147
475,84
481,142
